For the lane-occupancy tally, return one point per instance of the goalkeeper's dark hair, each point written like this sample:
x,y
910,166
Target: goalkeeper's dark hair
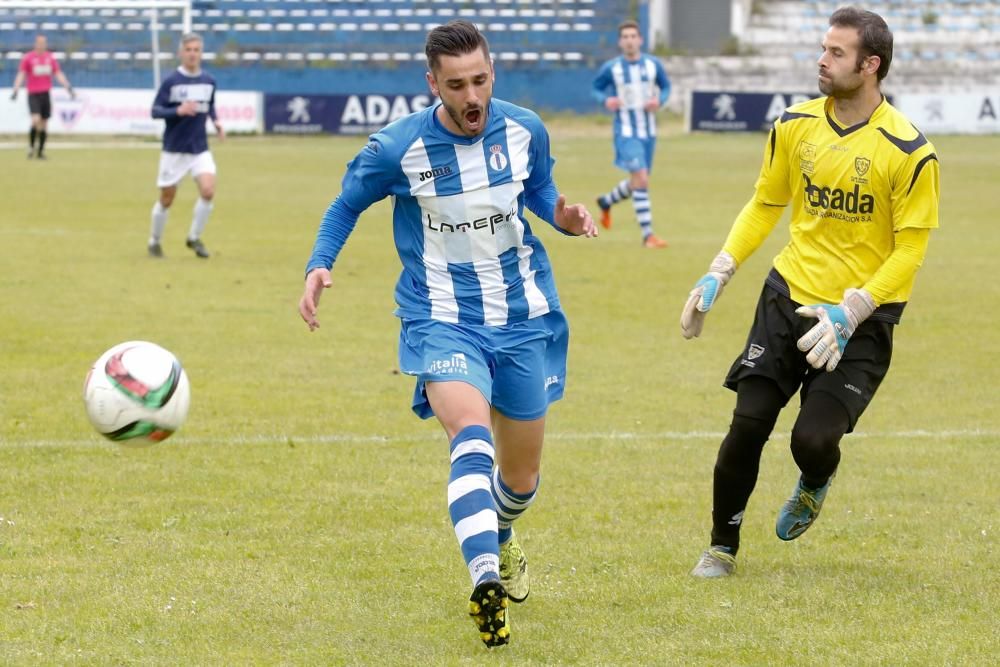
x,y
873,33
455,38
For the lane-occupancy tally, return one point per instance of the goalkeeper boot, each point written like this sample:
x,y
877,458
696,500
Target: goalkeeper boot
x,y
717,561
488,609
514,570
801,510
198,247
605,212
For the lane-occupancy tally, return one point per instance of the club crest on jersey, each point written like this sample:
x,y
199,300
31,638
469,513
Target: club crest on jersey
x,y
861,165
497,160
755,351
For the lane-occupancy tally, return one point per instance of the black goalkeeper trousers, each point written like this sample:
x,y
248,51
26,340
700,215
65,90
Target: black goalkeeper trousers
x,y
815,444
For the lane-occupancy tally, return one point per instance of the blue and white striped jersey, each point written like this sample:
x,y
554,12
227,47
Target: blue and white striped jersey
x,y
634,82
468,252
185,134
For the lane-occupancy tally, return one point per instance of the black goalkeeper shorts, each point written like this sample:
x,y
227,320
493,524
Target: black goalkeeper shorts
x,y
771,352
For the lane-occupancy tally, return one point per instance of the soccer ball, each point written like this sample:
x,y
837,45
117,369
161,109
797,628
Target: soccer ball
x,y
136,393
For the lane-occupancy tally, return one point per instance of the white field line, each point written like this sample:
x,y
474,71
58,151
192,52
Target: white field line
x,y
352,438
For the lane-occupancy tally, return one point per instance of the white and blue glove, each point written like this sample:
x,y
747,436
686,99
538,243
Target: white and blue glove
x,y
824,344
705,293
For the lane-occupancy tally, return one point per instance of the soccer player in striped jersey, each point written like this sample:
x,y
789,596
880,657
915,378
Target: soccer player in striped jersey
x,y
185,100
481,326
863,186
633,87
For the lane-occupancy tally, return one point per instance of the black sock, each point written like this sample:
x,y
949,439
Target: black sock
x,y
758,402
735,477
41,141
33,134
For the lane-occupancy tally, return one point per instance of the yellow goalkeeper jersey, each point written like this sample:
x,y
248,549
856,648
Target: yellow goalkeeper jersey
x,y
850,188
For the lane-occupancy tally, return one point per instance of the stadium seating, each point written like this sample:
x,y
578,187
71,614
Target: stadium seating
x,y
299,31
927,32
323,45
319,46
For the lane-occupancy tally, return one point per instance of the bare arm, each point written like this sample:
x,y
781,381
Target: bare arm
x,y
18,80
65,83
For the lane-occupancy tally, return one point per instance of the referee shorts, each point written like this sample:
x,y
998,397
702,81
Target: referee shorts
x,y
40,104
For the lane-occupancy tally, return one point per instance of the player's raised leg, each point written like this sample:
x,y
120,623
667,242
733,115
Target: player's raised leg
x,y
822,422
618,193
465,414
514,487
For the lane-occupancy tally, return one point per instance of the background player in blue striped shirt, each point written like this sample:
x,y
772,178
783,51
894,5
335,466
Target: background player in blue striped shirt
x,y
633,86
185,100
482,328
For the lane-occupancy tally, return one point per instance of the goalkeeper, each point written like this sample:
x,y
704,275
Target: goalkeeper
x,y
863,186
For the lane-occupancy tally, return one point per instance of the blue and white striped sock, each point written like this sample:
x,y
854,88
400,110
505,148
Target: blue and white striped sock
x,y
470,502
643,214
510,505
618,193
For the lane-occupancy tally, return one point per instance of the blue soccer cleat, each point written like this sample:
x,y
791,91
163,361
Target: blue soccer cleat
x,y
801,510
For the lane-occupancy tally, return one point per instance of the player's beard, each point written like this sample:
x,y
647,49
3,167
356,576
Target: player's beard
x,y
462,122
840,89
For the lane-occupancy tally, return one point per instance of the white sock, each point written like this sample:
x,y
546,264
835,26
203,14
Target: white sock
x,y
202,209
159,222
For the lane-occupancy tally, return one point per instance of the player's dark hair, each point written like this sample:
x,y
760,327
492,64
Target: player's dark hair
x,y
624,25
874,33
455,38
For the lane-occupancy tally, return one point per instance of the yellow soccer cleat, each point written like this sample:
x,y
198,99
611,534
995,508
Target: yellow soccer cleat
x,y
514,570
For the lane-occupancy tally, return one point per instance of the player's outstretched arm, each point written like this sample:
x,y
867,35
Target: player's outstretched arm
x,y
705,293
316,281
574,219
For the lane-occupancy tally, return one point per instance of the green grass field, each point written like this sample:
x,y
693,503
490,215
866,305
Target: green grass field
x,y
299,517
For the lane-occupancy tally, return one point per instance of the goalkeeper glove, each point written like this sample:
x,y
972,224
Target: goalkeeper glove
x,y
824,344
705,293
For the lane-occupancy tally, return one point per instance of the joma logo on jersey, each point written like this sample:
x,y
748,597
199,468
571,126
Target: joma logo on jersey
x,y
836,199
491,222
434,173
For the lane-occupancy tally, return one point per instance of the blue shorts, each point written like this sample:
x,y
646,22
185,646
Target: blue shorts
x,y
519,368
633,154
